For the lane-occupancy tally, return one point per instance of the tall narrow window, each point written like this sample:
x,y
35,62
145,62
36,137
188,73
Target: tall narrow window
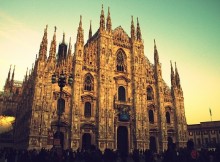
x,y
87,110
88,83
150,93
168,117
121,93
151,116
120,62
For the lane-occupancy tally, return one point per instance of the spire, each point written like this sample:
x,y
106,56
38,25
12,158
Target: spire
x,y
80,22
32,67
54,35
43,46
63,38
109,22
13,74
80,36
53,45
177,76
9,74
102,20
132,29
138,31
90,30
156,56
70,48
172,76
26,75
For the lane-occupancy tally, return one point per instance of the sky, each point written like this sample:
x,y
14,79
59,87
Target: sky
x,y
186,32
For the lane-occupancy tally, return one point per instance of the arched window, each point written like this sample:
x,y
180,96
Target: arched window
x,y
121,93
168,117
88,83
150,93
120,62
87,110
151,116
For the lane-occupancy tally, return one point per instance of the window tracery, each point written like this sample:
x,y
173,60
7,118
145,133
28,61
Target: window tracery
x,y
120,61
88,83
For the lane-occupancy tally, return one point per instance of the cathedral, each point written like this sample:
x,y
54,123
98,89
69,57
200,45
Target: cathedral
x,y
118,98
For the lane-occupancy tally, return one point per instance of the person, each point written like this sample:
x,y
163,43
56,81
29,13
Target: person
x,y
148,156
171,153
123,155
135,155
192,155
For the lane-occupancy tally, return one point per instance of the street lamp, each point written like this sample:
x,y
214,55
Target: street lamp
x,y
61,102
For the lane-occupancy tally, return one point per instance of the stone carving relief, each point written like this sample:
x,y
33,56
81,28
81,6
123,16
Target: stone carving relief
x,y
34,142
121,38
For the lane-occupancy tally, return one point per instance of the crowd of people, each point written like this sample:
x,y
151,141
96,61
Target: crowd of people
x,y
188,154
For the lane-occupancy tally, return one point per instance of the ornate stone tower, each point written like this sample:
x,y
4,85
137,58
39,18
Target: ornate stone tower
x,y
118,99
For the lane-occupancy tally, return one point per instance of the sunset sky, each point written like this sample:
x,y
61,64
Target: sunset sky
x,y
187,32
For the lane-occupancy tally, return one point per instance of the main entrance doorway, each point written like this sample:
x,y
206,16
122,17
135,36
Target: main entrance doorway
x,y
86,141
122,140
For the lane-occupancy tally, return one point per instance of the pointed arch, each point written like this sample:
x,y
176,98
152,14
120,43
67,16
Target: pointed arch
x,y
89,82
150,93
120,61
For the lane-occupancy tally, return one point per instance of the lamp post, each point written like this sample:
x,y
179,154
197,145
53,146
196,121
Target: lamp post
x,y
61,102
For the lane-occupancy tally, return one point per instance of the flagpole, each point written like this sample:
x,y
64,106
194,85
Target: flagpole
x,y
210,112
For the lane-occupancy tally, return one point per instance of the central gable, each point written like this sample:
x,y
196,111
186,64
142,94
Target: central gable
x,y
121,38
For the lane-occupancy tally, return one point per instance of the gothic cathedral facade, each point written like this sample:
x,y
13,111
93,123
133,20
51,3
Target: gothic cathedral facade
x,y
118,99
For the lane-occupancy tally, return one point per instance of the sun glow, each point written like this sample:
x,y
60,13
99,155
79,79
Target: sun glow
x,y
6,123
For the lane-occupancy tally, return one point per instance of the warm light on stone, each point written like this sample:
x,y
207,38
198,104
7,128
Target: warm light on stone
x,y
6,123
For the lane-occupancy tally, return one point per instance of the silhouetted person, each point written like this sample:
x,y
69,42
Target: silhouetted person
x,y
135,155
191,154
123,155
148,156
171,154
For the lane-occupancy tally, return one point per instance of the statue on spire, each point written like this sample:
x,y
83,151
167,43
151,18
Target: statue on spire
x,y
172,76
80,35
53,46
63,38
109,22
138,31
177,77
13,74
156,56
43,46
90,29
70,48
132,29
9,74
102,20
